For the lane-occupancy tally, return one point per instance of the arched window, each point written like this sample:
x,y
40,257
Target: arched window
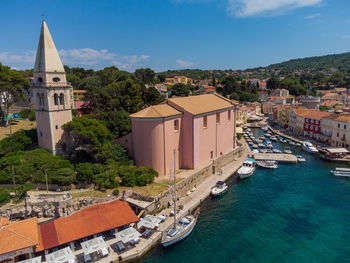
x,y
56,79
55,98
61,99
40,79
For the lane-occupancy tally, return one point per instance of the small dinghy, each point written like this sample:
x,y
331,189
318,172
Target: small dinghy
x,y
270,164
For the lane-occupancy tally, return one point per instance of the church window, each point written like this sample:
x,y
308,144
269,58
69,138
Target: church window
x,y
40,79
56,127
56,79
41,134
55,97
61,99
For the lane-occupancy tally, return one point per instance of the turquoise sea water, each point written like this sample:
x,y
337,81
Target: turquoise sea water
x,y
296,213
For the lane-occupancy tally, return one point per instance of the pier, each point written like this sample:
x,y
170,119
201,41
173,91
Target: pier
x,y
279,157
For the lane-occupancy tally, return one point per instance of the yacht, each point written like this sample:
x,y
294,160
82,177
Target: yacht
x,y
247,168
307,146
271,164
181,228
287,150
219,188
301,158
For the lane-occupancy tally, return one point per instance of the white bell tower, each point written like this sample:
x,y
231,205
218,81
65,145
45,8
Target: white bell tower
x,y
51,93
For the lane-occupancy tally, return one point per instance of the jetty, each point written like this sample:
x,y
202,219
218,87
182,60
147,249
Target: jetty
x,y
279,157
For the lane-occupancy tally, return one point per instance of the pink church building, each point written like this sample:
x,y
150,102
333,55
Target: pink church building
x,y
199,128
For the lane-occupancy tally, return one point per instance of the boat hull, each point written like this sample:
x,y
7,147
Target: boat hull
x,y
219,193
179,238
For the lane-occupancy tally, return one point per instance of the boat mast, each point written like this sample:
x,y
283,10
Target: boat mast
x,y
174,189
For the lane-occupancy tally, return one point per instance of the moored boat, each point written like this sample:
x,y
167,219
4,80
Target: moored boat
x,y
341,172
271,164
301,158
276,151
273,138
308,146
219,188
255,146
287,150
247,168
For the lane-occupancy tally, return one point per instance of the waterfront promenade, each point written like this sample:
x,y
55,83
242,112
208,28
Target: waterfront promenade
x,y
189,203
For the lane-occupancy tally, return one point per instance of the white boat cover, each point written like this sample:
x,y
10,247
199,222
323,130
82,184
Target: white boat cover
x,y
61,256
128,235
31,260
93,245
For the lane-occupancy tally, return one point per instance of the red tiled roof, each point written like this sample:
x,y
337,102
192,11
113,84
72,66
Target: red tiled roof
x,y
79,91
316,114
18,235
88,221
81,104
329,103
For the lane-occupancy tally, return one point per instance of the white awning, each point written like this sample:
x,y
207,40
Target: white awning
x,y
31,260
93,245
63,255
337,150
149,221
239,130
128,234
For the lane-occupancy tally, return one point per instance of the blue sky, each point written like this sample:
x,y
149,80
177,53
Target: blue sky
x,y
174,34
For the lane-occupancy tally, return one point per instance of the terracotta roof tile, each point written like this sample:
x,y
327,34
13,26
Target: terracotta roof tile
x,y
343,117
316,114
88,221
202,103
156,111
19,235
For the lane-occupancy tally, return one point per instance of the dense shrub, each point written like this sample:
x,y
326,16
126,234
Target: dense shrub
x,y
4,196
27,114
105,180
131,175
19,141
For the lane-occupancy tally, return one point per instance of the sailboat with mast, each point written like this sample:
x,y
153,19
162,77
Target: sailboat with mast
x,y
183,227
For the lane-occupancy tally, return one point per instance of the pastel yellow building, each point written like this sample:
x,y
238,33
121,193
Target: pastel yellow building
x,y
340,129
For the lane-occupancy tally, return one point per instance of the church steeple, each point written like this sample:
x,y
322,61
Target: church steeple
x,y
47,58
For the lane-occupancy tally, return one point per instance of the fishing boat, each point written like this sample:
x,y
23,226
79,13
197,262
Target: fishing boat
x,y
301,158
271,164
247,168
287,150
181,228
307,146
341,172
219,188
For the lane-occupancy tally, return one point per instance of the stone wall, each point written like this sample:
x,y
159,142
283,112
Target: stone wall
x,y
49,209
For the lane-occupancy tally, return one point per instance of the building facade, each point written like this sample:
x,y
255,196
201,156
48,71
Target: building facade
x,y
198,128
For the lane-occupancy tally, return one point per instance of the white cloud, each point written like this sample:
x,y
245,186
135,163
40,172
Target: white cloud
x,y
129,62
85,56
26,57
184,63
246,8
312,16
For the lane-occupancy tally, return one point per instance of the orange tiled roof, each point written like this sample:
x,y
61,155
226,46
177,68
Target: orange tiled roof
x,y
79,91
343,117
18,235
329,103
316,114
156,111
88,221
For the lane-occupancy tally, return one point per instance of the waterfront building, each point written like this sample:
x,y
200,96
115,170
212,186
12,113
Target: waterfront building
x,y
337,129
90,221
52,94
296,121
200,128
18,239
243,113
312,123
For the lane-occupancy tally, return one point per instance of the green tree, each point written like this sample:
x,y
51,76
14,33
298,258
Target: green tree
x,y
180,89
12,85
146,75
4,196
151,96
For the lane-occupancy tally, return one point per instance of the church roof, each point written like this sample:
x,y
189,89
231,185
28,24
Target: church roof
x,y
47,58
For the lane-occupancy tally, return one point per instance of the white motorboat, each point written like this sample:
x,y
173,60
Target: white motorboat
x,y
247,168
181,228
273,138
250,143
262,137
261,145
255,146
297,144
267,135
256,140
255,151
307,146
263,150
287,150
264,128
276,151
301,158
341,172
291,142
219,188
269,151
271,164
269,145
